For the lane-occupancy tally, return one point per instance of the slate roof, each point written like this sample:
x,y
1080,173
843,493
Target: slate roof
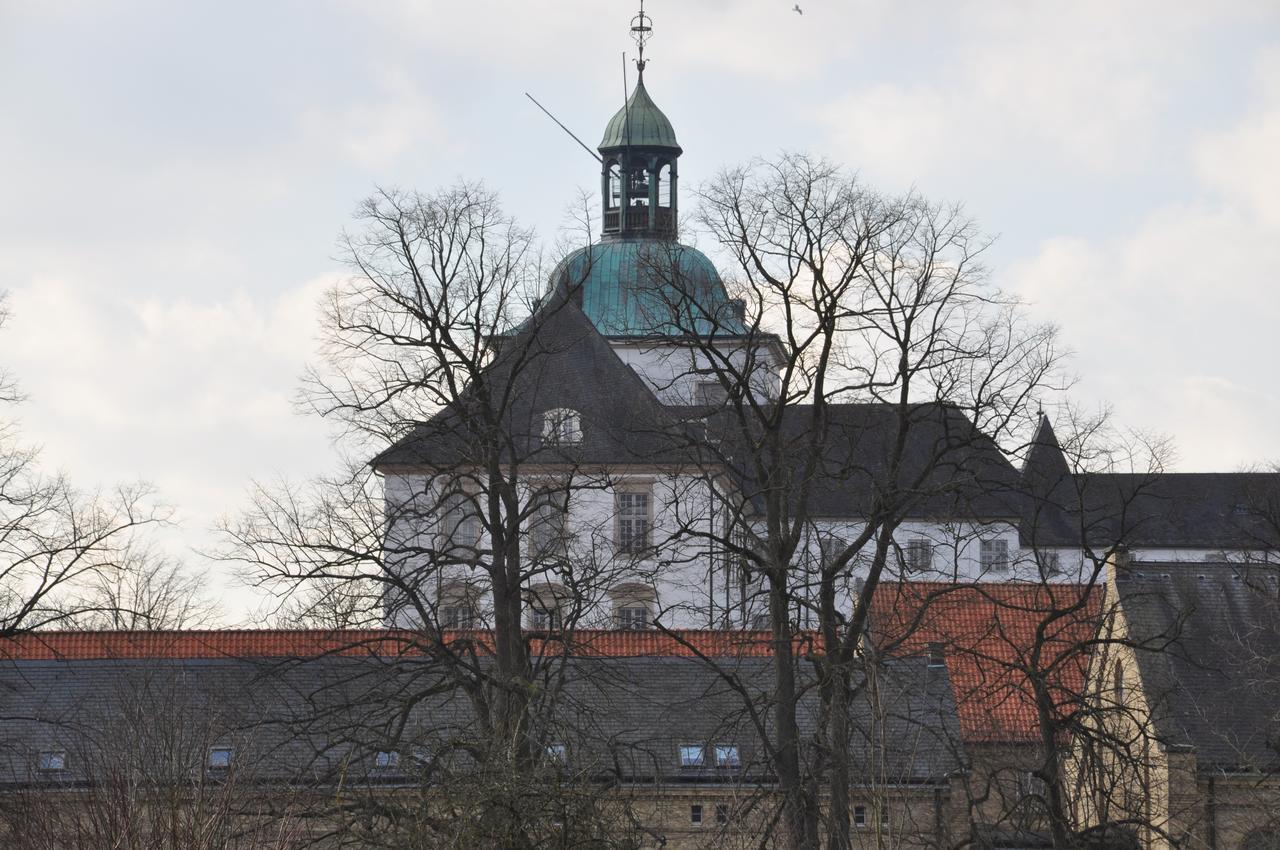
x,y
557,361
640,123
321,721
948,468
987,633
1197,510
1210,657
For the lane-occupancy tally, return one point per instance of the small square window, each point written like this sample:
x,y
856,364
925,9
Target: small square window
x,y
52,760
561,427
994,556
919,555
386,759
722,813
695,814
727,755
557,753
693,755
859,815
220,758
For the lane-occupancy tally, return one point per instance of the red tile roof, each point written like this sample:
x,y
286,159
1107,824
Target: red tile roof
x,y
276,643
988,633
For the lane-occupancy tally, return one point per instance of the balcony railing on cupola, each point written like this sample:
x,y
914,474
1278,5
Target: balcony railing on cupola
x,y
641,220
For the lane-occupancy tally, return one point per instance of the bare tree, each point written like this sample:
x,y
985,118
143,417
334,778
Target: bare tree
x,y
456,533
871,359
55,540
145,591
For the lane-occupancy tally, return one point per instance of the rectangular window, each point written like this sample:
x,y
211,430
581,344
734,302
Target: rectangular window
x,y
546,619
632,617
458,615
693,755
722,813
727,755
220,758
633,531
546,531
859,815
461,522
386,759
919,555
1051,563
937,655
994,556
695,814
711,393
52,760
557,753
831,548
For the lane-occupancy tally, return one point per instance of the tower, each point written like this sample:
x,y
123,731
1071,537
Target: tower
x,y
639,173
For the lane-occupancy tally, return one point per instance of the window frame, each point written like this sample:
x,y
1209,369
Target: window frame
x,y
386,759
45,761
463,528
911,552
695,814
561,426
214,762
987,563
627,545
726,763
687,764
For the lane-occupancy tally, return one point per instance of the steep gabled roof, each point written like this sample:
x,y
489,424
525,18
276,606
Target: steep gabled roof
x,y
557,360
987,633
1209,657
948,468
1203,510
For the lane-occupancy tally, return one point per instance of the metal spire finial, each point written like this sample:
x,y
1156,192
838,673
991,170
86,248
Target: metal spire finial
x,y
641,27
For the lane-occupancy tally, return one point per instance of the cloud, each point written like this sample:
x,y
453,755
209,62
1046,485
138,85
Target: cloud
x,y
1086,86
1174,320
194,396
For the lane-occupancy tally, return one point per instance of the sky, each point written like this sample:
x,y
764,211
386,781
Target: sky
x,y
174,178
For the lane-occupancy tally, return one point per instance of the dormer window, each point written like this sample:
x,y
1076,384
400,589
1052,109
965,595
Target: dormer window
x,y
561,427
727,756
693,756
220,758
52,760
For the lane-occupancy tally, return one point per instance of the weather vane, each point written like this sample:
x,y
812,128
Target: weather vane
x,y
641,27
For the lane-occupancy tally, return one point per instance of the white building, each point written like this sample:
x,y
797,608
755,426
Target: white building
x,y
610,398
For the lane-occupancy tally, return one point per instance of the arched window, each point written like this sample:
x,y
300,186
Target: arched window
x,y
458,606
561,427
547,604
633,606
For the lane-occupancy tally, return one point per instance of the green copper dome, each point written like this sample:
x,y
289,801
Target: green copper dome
x,y
647,287
648,127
